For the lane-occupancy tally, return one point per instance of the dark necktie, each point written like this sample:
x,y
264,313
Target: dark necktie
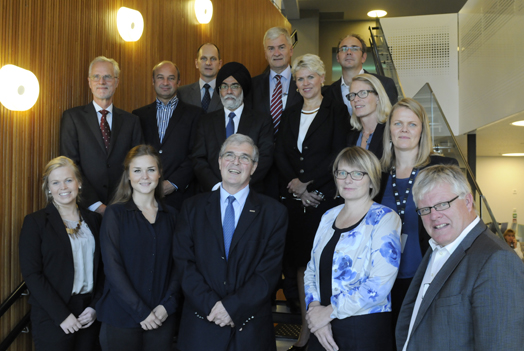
x,y
230,128
228,227
104,127
276,103
207,98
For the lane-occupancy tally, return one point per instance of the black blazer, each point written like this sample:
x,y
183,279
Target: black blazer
x,y
423,236
176,147
46,261
81,141
325,138
376,145
387,83
244,282
190,94
211,135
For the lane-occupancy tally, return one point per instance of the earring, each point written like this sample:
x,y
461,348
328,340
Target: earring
x,y
297,90
322,84
80,187
49,191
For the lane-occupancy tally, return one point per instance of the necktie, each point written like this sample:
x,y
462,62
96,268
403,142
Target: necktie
x,y
276,103
228,227
207,98
104,127
230,128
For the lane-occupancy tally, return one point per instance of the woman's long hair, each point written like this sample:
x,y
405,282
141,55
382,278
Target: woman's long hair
x,y
124,191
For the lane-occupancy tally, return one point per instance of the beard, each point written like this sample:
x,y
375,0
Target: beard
x,y
231,102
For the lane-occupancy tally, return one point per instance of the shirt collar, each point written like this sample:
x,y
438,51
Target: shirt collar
x,y
212,83
237,112
240,196
98,108
285,73
451,247
171,104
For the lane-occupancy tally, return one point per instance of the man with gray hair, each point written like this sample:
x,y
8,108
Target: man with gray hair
x,y
228,251
98,136
233,82
467,293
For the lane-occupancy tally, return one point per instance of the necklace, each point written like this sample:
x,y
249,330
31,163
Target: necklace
x,y
310,112
401,205
74,231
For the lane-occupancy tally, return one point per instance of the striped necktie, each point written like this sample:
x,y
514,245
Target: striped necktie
x,y
276,103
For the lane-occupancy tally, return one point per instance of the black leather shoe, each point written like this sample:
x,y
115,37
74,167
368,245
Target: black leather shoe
x,y
299,348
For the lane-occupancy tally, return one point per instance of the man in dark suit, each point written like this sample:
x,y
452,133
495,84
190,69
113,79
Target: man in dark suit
x,y
169,125
234,82
228,250
467,293
351,55
204,93
98,136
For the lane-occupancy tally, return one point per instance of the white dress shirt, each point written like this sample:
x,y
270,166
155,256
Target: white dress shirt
x,y
285,79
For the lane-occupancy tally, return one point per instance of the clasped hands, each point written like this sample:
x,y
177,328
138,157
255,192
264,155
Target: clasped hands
x,y
319,322
299,189
155,318
219,316
73,324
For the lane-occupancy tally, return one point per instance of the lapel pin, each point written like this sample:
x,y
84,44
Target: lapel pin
x,y
251,210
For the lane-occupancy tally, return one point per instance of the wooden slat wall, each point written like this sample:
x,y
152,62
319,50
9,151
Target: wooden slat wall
x,y
56,40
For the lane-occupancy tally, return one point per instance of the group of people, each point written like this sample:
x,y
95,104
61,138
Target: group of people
x,y
186,213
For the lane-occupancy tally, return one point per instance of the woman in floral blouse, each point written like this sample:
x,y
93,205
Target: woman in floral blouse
x,y
354,262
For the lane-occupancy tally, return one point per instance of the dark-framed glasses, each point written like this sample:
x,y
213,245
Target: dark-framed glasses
x,y
355,175
234,86
353,48
231,157
361,94
438,207
107,78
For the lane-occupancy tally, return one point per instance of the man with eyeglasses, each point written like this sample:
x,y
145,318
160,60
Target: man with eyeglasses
x,y
351,56
98,136
467,293
204,93
233,82
169,125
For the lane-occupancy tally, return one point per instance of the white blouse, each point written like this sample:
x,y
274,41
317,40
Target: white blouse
x,y
83,246
305,121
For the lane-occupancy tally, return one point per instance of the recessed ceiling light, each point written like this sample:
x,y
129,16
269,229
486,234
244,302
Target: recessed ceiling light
x,y
518,123
377,13
514,154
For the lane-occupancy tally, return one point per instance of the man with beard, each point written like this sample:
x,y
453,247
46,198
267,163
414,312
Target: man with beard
x,y
233,82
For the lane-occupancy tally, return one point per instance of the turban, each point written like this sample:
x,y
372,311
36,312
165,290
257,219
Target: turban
x,y
239,72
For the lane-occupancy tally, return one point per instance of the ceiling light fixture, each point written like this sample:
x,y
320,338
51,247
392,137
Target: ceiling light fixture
x,y
130,24
515,154
518,123
203,11
19,88
377,13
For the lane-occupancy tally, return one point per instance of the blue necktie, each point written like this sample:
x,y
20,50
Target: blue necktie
x,y
207,98
230,128
228,227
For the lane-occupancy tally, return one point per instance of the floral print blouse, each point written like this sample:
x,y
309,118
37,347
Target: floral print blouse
x,y
365,263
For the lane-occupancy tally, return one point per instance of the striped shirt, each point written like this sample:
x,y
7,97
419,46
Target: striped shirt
x,y
163,114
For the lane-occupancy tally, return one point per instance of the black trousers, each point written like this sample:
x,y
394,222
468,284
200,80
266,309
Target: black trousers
x,y
50,337
137,339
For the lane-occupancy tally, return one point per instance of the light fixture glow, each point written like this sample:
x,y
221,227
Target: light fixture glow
x,y
19,88
130,24
515,154
203,11
518,123
377,13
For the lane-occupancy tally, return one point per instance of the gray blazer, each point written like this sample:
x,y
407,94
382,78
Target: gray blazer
x,y
475,302
190,94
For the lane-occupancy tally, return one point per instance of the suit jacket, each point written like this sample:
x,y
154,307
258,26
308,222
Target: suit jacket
x,y
474,301
376,144
81,141
46,261
325,138
190,94
211,135
176,146
244,282
387,83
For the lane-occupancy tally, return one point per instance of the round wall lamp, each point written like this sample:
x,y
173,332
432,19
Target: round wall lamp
x,y
377,13
130,24
19,88
203,11
518,123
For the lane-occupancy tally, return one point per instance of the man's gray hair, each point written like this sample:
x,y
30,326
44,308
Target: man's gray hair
x,y
238,139
116,69
275,32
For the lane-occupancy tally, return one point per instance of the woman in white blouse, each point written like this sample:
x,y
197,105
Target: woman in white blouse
x,y
354,262
60,262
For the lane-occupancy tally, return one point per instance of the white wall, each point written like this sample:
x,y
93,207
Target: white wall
x,y
308,33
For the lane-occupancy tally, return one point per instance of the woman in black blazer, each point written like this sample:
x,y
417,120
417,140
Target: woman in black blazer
x,y
370,109
407,150
309,138
60,262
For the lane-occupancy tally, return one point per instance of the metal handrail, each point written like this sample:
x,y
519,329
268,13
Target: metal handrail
x,y
15,295
19,328
294,38
376,56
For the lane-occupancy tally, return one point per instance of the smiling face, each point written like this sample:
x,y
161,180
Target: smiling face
x,y
208,62
309,83
63,186
350,59
278,53
445,226
144,174
236,175
166,82
366,107
103,90
351,190
406,129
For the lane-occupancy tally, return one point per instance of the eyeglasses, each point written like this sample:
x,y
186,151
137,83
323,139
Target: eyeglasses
x,y
361,94
231,157
107,78
355,175
234,86
438,207
353,48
